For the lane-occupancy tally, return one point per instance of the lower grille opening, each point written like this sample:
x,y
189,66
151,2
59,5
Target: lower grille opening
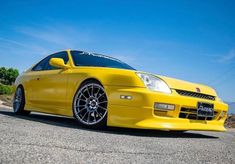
x,y
190,113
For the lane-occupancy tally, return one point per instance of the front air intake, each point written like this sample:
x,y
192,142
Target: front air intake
x,y
191,114
195,94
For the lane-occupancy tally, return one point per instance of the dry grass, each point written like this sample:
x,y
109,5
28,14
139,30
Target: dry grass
x,y
230,122
7,99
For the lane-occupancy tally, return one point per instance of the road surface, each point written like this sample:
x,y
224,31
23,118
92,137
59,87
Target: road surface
x,y
41,138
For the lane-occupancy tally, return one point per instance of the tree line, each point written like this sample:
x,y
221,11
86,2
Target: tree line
x,y
8,75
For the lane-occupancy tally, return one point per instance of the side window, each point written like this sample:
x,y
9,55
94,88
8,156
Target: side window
x,y
41,65
45,65
63,55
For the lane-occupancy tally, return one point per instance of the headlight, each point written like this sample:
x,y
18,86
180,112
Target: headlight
x,y
154,83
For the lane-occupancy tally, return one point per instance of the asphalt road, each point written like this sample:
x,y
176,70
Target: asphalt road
x,y
50,139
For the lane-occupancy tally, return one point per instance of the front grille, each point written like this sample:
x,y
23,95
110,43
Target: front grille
x,y
190,113
195,94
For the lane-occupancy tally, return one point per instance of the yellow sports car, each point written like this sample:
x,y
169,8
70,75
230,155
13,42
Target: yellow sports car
x,y
99,90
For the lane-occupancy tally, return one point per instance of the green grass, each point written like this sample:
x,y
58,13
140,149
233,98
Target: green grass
x,y
6,89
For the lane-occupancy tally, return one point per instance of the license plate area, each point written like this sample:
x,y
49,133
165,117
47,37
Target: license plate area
x,y
205,109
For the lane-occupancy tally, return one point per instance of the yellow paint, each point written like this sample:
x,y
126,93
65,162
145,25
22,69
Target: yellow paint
x,y
53,91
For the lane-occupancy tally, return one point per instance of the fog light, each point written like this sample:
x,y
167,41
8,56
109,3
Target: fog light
x,y
164,106
126,97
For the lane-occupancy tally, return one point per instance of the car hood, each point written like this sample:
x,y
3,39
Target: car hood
x,y
187,86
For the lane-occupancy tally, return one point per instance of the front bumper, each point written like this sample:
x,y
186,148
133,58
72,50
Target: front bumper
x,y
139,111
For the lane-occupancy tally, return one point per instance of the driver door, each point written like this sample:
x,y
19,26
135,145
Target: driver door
x,y
50,88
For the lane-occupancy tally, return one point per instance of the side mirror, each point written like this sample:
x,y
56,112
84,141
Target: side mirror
x,y
59,63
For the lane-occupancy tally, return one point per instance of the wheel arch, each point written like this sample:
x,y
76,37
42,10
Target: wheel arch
x,y
91,79
20,85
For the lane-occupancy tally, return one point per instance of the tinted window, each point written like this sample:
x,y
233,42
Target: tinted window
x,y
41,65
96,60
45,65
63,55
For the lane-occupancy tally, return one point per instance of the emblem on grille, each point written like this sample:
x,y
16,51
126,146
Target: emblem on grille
x,y
198,90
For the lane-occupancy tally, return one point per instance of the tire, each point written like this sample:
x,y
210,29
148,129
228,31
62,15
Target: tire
x,y
90,105
19,102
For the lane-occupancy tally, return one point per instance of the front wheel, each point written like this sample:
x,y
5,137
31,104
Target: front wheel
x,y
19,102
90,105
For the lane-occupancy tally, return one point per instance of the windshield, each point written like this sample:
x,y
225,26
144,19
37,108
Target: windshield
x,y
81,58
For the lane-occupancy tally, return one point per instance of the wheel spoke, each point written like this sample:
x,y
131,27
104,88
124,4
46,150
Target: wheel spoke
x,y
81,110
81,100
100,96
98,113
102,107
92,90
94,116
87,89
80,106
83,95
88,118
84,115
97,92
102,102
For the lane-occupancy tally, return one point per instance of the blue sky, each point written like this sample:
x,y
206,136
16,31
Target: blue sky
x,y
189,40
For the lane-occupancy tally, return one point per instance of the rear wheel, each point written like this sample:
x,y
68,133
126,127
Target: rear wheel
x,y
90,105
19,102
